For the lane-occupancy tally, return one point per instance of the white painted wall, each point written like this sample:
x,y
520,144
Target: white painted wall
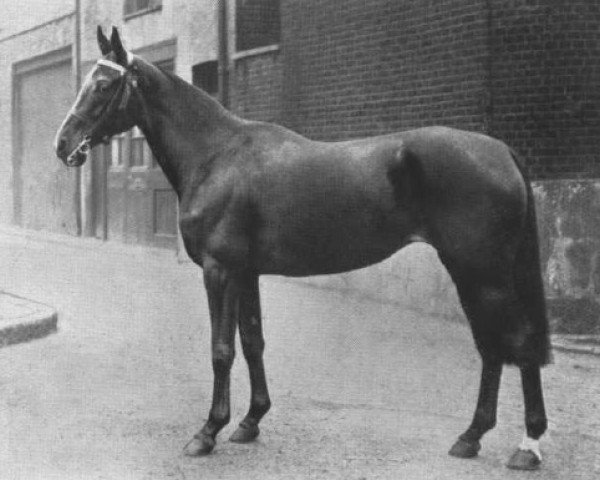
x,y
192,23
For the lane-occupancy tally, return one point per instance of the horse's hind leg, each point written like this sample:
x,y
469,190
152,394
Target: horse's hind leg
x,y
483,305
484,419
501,329
253,345
528,456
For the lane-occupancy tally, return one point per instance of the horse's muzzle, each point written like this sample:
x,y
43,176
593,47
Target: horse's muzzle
x,y
78,156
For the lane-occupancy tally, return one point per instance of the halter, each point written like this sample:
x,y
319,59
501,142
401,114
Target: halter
x,y
118,101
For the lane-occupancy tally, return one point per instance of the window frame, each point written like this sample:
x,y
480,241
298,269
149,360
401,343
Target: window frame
x,y
153,6
116,149
136,136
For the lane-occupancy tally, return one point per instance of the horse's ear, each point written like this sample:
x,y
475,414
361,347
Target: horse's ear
x,y
117,48
103,42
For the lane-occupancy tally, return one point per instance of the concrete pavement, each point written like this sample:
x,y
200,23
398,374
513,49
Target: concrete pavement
x,y
360,389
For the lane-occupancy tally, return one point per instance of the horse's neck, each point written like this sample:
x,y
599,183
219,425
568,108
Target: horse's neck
x,y
184,127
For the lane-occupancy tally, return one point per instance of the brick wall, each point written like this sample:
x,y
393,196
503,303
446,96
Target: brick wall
x,y
526,71
359,67
546,83
257,87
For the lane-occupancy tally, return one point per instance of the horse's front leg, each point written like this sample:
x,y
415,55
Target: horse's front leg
x,y
253,345
224,289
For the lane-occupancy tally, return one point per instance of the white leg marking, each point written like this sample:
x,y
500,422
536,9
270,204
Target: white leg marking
x,y
531,445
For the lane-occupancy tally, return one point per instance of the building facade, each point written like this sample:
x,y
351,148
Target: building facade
x,y
525,71
35,60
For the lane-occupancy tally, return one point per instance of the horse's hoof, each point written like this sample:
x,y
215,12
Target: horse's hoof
x,y
465,449
244,433
524,460
199,445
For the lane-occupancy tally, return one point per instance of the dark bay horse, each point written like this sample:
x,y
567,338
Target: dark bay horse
x,y
256,198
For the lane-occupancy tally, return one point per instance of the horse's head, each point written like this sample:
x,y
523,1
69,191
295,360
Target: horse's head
x,y
104,104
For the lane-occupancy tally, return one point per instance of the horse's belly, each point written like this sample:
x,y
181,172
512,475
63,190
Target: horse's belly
x,y
331,215
334,249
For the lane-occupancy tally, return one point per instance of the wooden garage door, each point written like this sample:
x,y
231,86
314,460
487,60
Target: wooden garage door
x,y
44,188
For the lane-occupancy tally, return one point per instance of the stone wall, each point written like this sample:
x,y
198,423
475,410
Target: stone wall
x,y
569,226
413,278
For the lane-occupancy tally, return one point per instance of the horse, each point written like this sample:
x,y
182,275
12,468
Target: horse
x,y
256,198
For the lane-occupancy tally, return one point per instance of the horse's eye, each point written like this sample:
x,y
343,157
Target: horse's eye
x,y
102,87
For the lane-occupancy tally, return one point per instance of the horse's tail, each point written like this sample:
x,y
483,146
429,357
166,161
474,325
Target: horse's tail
x,y
529,283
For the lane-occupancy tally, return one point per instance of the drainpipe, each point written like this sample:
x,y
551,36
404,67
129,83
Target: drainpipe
x,y
489,67
85,188
76,75
223,53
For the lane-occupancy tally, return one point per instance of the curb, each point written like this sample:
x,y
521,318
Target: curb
x,y
582,344
22,320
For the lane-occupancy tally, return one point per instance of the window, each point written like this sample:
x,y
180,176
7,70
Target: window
x,y
116,151
139,7
137,148
206,76
257,24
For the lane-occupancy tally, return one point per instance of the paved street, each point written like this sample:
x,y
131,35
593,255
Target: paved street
x,y
360,390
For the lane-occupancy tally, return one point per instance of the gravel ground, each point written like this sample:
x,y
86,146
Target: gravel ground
x,y
360,390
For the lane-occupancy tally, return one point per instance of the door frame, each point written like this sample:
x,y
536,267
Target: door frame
x,y
54,58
